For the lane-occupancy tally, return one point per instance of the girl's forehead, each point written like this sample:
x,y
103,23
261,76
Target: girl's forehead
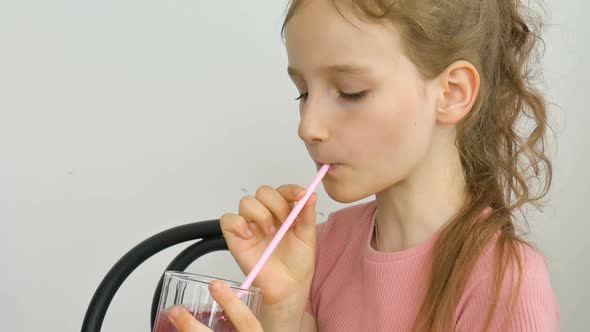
x,y
322,14
320,22
313,38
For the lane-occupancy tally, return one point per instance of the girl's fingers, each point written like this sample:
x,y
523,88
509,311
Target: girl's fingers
x,y
237,225
184,321
275,202
240,315
254,211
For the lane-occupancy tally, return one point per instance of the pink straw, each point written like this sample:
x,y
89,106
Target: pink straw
x,y
285,226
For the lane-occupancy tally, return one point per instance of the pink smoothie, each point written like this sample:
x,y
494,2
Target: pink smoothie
x,y
163,324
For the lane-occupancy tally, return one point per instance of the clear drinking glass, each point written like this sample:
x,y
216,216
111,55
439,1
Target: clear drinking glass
x,y
192,292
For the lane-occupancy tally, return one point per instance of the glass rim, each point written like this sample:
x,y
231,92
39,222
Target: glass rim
x,y
194,277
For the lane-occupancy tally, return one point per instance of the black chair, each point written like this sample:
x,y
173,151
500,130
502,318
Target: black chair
x,y
210,239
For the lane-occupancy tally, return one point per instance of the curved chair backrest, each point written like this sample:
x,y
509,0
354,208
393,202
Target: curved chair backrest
x,y
210,239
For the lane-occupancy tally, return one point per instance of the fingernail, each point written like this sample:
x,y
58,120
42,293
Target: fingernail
x,y
248,232
174,312
272,229
216,285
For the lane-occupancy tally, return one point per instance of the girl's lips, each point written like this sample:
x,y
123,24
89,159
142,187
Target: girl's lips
x,y
332,166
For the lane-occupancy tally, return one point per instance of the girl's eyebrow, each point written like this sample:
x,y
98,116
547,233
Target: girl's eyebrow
x,y
338,69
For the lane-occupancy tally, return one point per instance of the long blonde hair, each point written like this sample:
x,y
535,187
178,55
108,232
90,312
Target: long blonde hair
x,y
498,156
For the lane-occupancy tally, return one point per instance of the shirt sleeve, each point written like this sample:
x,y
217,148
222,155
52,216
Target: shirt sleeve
x,y
534,308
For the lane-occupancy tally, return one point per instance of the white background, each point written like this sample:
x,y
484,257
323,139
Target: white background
x,y
119,119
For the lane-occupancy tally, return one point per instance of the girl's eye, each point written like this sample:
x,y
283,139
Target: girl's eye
x,y
302,96
348,96
353,96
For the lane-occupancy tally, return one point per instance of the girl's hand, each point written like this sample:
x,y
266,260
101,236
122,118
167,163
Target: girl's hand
x,y
286,276
240,315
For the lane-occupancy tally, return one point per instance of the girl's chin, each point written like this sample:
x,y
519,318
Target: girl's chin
x,y
342,193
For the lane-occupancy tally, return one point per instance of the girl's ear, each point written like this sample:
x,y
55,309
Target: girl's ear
x,y
459,85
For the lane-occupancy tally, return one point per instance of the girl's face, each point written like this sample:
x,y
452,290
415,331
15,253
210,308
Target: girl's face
x,y
363,104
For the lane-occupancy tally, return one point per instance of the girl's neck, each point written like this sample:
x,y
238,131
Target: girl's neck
x,y
413,210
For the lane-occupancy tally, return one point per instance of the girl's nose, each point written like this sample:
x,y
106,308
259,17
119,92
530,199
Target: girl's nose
x,y
313,124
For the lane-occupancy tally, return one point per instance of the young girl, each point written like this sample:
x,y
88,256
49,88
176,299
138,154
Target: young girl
x,y
417,102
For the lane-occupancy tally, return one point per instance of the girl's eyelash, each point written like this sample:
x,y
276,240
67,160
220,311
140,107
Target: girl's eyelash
x,y
348,96
353,96
302,96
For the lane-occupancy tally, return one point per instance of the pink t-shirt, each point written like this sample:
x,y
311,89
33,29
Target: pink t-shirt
x,y
356,288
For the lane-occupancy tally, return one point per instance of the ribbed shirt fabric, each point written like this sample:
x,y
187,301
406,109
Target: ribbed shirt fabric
x,y
356,288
